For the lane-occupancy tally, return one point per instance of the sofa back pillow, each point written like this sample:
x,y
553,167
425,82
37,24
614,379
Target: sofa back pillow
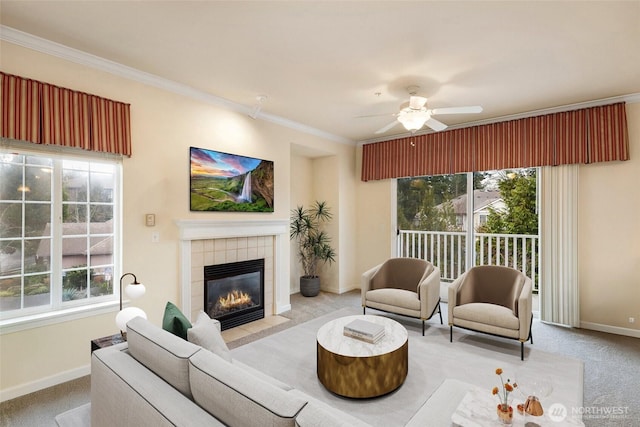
x,y
238,398
161,352
206,333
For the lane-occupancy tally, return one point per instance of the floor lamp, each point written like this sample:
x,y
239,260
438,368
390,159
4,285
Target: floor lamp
x,y
133,290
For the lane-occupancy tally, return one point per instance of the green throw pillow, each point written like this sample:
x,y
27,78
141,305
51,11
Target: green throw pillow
x,y
174,321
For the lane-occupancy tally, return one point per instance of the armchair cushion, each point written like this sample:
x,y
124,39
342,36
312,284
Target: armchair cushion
x,y
395,297
488,314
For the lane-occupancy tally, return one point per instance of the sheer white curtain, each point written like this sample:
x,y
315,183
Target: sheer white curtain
x,y
559,297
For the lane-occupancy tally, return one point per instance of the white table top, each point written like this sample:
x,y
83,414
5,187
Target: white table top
x,y
331,337
478,409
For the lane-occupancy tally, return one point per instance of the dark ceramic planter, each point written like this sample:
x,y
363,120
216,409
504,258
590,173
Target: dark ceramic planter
x,y
309,286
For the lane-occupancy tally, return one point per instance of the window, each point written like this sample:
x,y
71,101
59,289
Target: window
x,y
59,227
479,218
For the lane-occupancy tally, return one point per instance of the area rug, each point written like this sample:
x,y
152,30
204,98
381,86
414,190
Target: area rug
x,y
77,417
290,356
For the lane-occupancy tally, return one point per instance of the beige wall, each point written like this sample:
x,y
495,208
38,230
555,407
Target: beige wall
x,y
609,238
156,180
331,178
301,183
375,228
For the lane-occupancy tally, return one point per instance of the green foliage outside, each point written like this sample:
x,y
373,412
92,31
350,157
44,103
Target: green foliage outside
x,y
518,191
418,198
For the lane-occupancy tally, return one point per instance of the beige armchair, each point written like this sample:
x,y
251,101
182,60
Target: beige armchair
x,y
492,299
406,286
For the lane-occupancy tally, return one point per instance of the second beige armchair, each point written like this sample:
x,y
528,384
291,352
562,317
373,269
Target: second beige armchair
x,y
406,286
492,299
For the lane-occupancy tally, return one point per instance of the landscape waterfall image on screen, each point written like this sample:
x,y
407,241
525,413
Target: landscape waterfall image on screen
x,y
229,182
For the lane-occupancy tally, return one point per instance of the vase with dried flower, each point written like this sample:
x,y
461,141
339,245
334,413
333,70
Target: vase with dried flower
x,y
504,409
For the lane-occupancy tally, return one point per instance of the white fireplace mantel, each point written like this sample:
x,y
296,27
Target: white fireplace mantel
x,y
195,229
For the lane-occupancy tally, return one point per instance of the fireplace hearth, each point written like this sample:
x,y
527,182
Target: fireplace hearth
x,y
234,292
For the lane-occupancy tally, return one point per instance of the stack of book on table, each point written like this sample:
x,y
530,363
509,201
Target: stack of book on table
x,y
365,331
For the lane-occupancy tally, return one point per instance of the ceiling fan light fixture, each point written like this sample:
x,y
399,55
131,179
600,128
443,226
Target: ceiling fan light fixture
x,y
413,120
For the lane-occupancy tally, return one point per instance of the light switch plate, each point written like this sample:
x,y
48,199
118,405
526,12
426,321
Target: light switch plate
x,y
150,220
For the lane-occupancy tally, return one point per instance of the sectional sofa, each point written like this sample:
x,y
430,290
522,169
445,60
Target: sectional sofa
x,y
159,379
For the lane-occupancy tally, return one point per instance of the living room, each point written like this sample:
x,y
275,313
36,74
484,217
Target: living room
x,y
166,120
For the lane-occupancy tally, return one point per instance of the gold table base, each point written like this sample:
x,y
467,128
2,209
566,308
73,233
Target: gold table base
x,y
362,377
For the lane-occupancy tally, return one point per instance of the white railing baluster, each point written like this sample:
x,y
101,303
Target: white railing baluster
x,y
439,247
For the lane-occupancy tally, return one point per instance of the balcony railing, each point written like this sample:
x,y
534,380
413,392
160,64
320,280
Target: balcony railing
x,y
448,251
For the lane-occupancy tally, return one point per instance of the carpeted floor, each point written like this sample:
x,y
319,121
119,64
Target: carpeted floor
x,y
611,369
290,357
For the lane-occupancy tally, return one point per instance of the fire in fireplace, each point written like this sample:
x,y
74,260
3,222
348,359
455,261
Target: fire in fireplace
x,y
234,292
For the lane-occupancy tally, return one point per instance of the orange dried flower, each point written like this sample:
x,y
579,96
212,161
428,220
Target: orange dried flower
x,y
507,387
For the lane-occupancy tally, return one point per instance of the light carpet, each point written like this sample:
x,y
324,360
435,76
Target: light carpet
x,y
290,356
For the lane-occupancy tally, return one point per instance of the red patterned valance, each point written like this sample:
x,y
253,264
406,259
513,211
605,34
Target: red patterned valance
x,y
597,134
46,114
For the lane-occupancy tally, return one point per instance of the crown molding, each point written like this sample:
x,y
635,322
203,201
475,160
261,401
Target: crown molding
x,y
632,98
49,47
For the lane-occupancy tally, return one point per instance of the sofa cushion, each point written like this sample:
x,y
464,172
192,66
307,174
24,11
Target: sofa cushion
x,y
238,398
206,333
161,352
174,321
319,414
259,374
125,393
488,314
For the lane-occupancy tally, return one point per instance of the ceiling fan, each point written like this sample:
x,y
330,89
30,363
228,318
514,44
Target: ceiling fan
x,y
414,114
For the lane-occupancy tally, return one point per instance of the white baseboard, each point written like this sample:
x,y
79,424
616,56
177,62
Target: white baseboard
x,y
618,330
31,387
281,308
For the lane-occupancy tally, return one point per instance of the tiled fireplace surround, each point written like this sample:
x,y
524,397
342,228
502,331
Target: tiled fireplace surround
x,y
204,242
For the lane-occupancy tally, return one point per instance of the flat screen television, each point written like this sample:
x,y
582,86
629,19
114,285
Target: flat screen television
x,y
229,182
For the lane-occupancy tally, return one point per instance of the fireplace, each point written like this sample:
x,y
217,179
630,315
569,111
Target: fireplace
x,y
234,292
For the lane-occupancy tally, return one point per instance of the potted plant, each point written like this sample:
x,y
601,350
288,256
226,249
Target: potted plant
x,y
313,243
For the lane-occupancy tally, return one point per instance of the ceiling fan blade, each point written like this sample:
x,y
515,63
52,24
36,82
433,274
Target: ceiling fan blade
x,y
375,115
417,102
435,124
387,127
457,110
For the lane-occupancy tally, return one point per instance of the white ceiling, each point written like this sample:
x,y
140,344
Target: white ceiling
x,y
321,63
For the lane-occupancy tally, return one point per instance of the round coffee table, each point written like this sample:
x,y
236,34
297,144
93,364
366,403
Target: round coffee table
x,y
353,368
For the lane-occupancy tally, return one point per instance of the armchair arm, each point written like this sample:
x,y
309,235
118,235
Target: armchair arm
x,y
429,293
525,309
365,282
452,301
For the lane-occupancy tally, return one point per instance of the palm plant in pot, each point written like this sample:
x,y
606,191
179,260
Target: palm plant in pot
x,y
314,244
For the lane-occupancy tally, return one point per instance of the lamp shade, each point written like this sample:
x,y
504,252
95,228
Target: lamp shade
x,y
126,314
135,290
